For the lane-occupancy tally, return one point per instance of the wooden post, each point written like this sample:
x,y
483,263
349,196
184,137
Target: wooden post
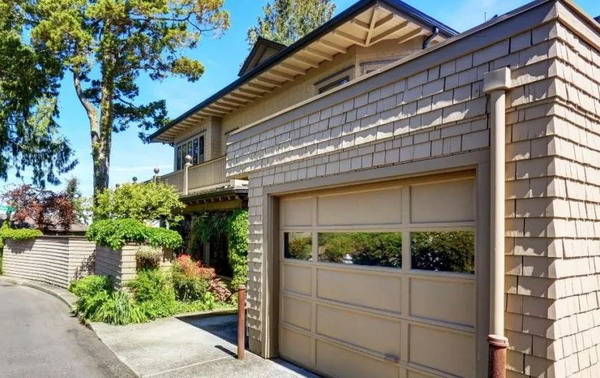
x,y
241,347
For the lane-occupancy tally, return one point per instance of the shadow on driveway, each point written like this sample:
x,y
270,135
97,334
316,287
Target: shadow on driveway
x,y
189,346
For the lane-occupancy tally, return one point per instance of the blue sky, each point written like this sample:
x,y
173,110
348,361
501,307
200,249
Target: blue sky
x,y
222,58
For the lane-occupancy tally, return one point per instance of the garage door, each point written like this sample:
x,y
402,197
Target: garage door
x,y
379,280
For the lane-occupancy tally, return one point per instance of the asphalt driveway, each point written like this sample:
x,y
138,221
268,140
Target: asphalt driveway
x,y
40,338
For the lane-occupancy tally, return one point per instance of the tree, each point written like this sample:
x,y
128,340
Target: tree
x,y
143,202
45,209
286,21
107,44
29,82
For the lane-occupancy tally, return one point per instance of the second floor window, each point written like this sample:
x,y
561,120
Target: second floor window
x,y
193,147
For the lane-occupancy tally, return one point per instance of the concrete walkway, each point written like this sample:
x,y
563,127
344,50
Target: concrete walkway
x,y
188,347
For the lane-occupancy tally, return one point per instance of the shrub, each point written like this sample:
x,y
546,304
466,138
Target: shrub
x,y
119,309
114,233
237,245
143,202
153,292
188,288
99,302
148,258
192,281
48,210
211,223
19,234
90,285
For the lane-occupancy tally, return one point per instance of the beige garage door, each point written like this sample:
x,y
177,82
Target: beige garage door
x,y
379,280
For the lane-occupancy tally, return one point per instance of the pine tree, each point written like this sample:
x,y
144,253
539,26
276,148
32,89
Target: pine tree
x,y
286,21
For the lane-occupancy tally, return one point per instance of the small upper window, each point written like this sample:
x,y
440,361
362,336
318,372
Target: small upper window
x,y
193,147
334,84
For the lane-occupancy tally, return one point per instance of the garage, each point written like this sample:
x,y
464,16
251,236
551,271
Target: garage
x,y
379,279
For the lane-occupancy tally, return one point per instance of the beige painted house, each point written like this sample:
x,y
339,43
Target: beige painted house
x,y
416,196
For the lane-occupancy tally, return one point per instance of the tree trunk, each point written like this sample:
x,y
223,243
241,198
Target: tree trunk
x,y
102,160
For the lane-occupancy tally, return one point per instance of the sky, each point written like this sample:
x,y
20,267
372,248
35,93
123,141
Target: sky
x,y
222,59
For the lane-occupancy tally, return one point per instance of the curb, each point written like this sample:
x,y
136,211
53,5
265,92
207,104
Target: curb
x,y
67,298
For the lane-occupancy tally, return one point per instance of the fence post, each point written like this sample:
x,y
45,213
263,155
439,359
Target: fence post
x,y
186,168
241,347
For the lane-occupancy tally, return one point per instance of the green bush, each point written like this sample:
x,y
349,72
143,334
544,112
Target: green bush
x,y
212,223
99,302
237,243
189,288
143,202
114,233
19,234
153,292
148,258
15,234
119,309
90,285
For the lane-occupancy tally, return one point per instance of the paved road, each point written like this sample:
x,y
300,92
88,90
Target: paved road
x,y
40,338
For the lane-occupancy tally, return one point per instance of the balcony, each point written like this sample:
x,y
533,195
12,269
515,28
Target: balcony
x,y
201,177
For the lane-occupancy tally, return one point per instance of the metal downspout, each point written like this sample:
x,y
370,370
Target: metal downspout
x,y
434,33
495,84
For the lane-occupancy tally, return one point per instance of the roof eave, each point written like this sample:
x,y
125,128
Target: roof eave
x,y
336,21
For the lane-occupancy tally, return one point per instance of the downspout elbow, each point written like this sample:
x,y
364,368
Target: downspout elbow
x,y
434,33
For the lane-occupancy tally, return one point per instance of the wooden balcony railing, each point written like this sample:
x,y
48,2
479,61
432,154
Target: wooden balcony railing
x,y
204,175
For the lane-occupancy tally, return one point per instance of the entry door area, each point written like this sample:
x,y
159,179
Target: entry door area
x,y
378,280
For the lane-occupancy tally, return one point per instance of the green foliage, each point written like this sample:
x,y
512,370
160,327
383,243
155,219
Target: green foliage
x,y
149,296
299,246
206,225
108,44
144,202
114,233
99,302
90,285
4,225
237,245
211,223
29,81
364,248
153,292
148,258
452,251
19,234
188,287
286,21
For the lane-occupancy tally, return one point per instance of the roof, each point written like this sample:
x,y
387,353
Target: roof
x,y
263,49
373,20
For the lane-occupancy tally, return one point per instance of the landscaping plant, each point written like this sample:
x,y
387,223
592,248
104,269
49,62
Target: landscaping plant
x,y
48,210
211,223
149,201
114,233
20,234
99,302
153,292
192,281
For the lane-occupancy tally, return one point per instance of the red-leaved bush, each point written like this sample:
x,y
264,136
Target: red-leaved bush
x,y
43,209
195,270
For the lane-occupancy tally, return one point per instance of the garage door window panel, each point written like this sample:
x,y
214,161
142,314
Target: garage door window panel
x,y
298,245
361,248
443,251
